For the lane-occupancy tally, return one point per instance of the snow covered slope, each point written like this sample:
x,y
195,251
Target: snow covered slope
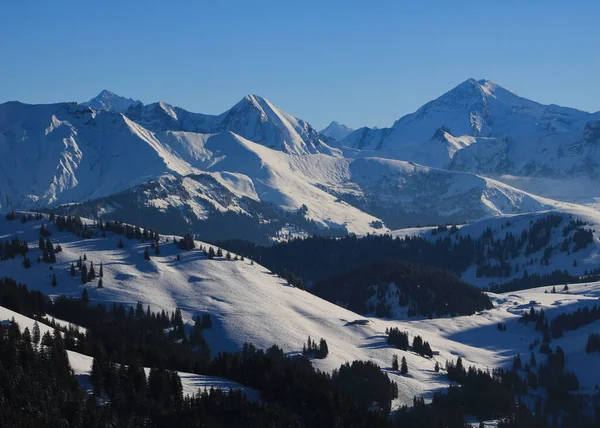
x,y
561,256
249,304
82,364
401,192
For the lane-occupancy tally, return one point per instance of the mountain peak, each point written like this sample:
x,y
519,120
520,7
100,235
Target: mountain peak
x,y
336,130
109,101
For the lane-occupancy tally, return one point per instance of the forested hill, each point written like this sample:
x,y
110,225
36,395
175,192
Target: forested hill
x,y
386,286
528,250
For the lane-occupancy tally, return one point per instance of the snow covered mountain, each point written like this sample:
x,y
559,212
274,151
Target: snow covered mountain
x,y
482,127
107,100
336,130
477,151
254,118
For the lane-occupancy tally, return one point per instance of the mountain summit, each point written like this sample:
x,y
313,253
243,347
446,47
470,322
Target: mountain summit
x,y
109,101
336,130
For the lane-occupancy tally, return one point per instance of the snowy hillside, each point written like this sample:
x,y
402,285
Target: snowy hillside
x,y
555,249
249,304
82,364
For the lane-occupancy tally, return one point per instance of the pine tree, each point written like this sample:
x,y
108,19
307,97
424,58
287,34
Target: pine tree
x,y
72,269
219,252
84,257
532,361
120,245
49,246
84,296
437,367
228,255
404,366
26,262
323,348
101,272
36,333
53,280
41,244
84,274
206,321
146,254
395,362
91,272
100,283
211,253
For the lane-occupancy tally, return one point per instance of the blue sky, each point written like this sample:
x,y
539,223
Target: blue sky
x,y
358,62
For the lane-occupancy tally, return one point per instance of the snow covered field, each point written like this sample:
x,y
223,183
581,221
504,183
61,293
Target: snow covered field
x,y
248,303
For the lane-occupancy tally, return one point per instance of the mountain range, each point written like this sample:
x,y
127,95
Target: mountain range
x,y
477,151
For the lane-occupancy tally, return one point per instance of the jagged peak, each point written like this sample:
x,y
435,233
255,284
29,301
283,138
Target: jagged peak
x,y
108,100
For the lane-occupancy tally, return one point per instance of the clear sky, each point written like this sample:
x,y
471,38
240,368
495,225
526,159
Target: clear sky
x,y
358,62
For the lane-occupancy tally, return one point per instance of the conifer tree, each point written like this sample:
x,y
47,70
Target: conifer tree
x,y
41,244
404,366
36,333
146,254
84,274
101,272
120,245
100,283
84,296
91,272
211,253
437,367
395,362
53,280
323,348
84,257
72,269
219,252
26,262
228,255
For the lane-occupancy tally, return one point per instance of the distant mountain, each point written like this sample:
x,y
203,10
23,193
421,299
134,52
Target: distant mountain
x,y
109,101
336,130
477,151
482,127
